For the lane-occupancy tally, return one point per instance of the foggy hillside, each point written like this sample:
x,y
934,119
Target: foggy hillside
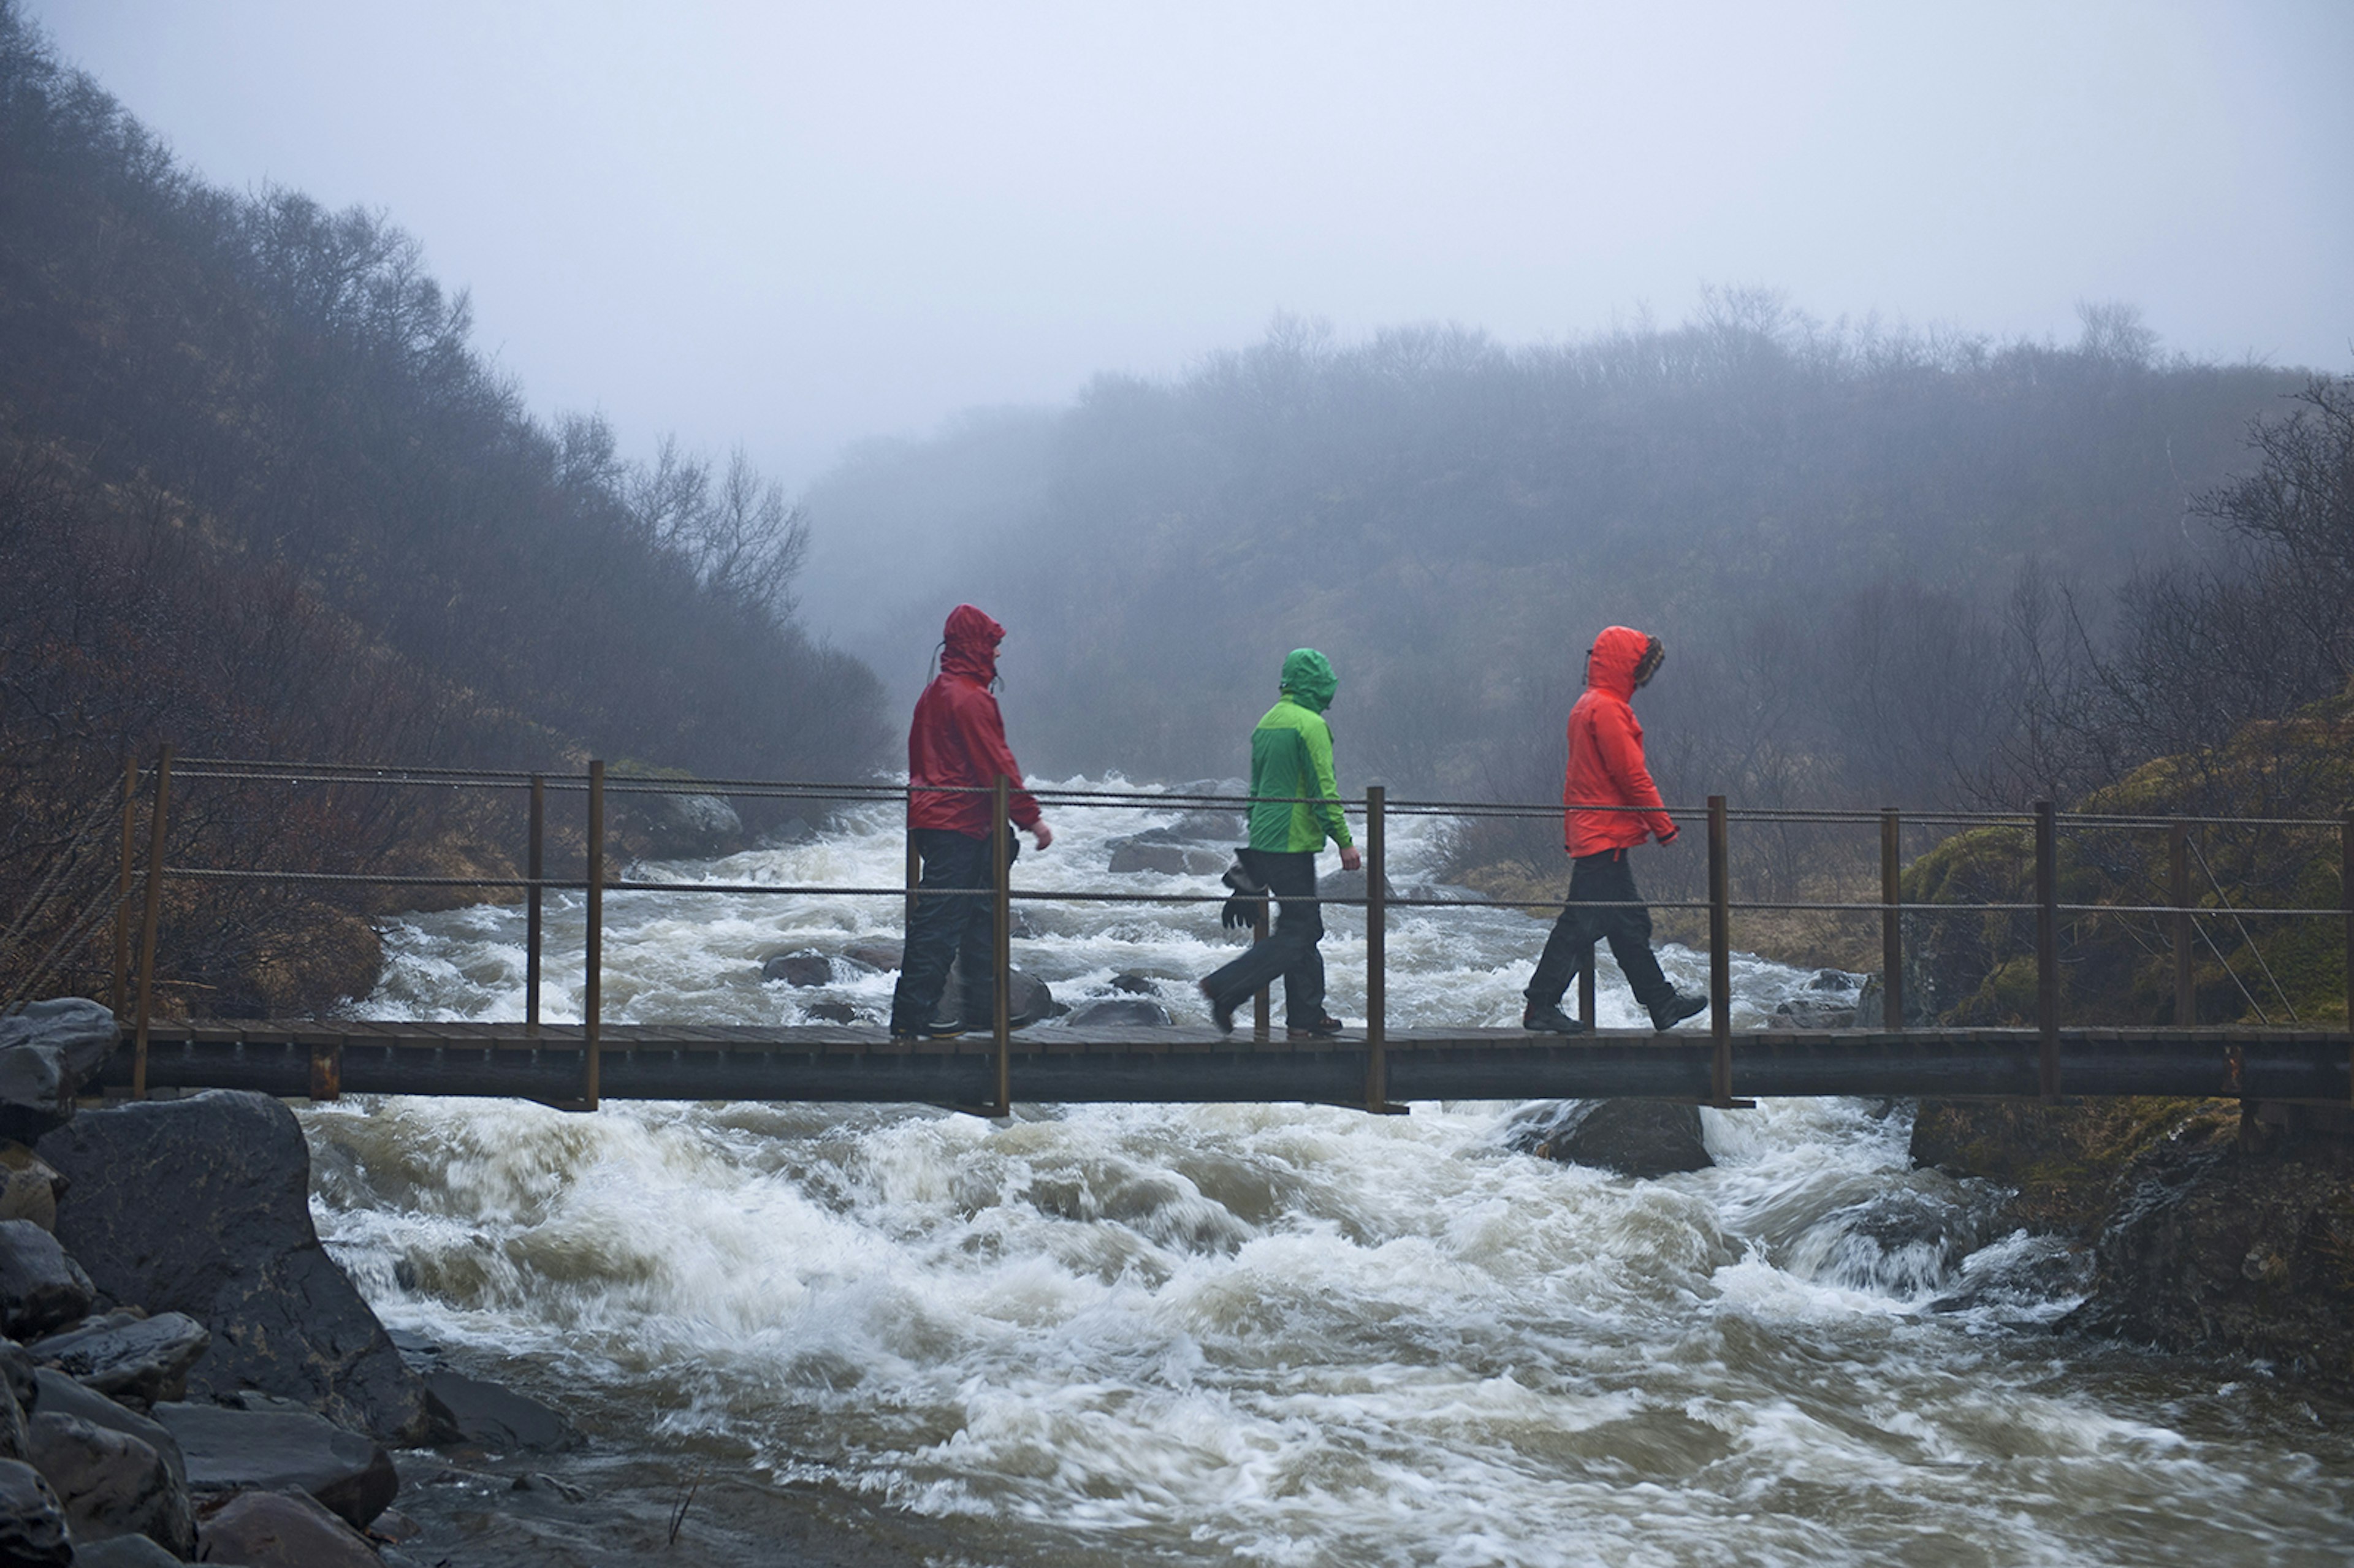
x,y
1852,541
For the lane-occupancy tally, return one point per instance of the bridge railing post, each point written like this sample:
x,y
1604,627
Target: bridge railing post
x,y
151,918
2047,950
915,876
1377,1062
1892,918
1002,949
2178,868
120,995
1719,954
1261,1016
535,869
2346,900
592,1004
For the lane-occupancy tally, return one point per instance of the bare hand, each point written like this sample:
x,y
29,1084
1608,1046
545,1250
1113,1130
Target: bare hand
x,y
1350,859
1042,834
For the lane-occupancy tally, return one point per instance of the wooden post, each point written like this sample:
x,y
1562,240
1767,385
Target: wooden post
x,y
1377,1062
1719,954
1261,1015
151,919
915,876
2345,899
1585,988
1002,957
534,868
592,1008
119,998
2178,856
1892,918
2047,950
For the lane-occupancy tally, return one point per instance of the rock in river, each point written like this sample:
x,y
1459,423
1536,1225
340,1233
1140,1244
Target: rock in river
x,y
40,1287
46,1052
125,1356
1633,1138
111,1483
32,1521
229,1450
500,1419
202,1205
283,1529
1119,1012
802,968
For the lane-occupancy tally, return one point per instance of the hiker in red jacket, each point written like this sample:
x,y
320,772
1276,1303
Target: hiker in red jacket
x,y
1610,806
956,750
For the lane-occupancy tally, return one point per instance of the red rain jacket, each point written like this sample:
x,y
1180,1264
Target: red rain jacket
x,y
1606,755
958,737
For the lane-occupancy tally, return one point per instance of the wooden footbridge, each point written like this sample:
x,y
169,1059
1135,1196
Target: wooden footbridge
x,y
1376,1067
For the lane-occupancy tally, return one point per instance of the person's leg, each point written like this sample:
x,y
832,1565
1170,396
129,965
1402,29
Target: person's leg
x,y
1628,930
1299,927
1566,950
951,860
1260,963
977,946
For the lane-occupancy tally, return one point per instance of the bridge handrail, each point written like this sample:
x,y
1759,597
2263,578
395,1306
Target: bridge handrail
x,y
2044,820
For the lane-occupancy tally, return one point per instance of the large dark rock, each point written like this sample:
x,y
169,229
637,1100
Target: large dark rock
x,y
830,1013
802,968
40,1287
1349,884
1027,1000
124,1356
123,1552
678,827
1119,1012
47,1051
202,1206
228,1449
1129,983
58,1394
882,956
2234,1239
32,1521
111,1483
1209,827
13,1441
1633,1138
1814,1012
283,1529
499,1418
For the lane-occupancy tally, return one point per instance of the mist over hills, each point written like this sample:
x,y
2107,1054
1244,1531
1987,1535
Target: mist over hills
x,y
1855,542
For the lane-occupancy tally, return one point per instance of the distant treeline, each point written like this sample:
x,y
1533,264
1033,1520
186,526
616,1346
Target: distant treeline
x,y
260,495
1887,565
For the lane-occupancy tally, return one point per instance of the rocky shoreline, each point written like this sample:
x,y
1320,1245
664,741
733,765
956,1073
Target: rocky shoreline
x,y
190,1376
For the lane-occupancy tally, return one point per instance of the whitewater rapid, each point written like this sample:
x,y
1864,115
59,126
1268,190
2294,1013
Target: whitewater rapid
x,y
1277,1334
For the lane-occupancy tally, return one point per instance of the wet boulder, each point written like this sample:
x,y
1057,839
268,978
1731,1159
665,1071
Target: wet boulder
x,y
882,956
228,1450
1349,884
1815,1012
683,827
1630,1137
830,1013
123,1552
40,1287
126,1355
29,1190
47,1051
58,1394
32,1521
802,968
792,831
1119,1012
283,1529
500,1419
202,1206
111,1483
1209,828
1028,1000
1129,983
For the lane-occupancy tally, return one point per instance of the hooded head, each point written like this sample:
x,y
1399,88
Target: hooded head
x,y
1307,679
1621,660
970,641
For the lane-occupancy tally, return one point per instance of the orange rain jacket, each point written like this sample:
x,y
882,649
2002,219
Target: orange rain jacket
x,y
1606,755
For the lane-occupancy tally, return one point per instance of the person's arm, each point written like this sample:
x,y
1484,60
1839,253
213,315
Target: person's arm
x,y
1318,740
1622,755
984,731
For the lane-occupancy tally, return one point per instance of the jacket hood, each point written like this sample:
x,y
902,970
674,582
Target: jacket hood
x,y
1308,677
1611,663
971,640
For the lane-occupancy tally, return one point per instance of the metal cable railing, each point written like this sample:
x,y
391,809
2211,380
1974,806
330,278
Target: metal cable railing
x,y
1375,810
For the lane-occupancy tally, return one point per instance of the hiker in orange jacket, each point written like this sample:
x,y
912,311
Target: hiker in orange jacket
x,y
1610,806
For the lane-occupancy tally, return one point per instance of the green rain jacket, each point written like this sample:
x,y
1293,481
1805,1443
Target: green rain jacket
x,y
1291,759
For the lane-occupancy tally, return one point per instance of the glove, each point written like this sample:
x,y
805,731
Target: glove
x,y
1669,837
1249,899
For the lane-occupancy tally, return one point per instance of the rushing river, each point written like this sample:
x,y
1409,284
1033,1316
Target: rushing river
x,y
1280,1334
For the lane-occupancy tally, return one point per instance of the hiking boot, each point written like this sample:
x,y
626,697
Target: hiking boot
x,y
1221,1013
1324,1028
1674,1008
1547,1018
944,1029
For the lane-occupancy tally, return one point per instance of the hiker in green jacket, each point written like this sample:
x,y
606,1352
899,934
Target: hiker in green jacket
x,y
1295,807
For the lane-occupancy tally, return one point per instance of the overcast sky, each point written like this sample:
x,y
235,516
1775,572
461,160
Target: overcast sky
x,y
793,227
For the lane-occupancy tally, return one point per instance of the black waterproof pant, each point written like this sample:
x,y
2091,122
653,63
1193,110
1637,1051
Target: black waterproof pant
x,y
1605,878
947,926
1290,947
